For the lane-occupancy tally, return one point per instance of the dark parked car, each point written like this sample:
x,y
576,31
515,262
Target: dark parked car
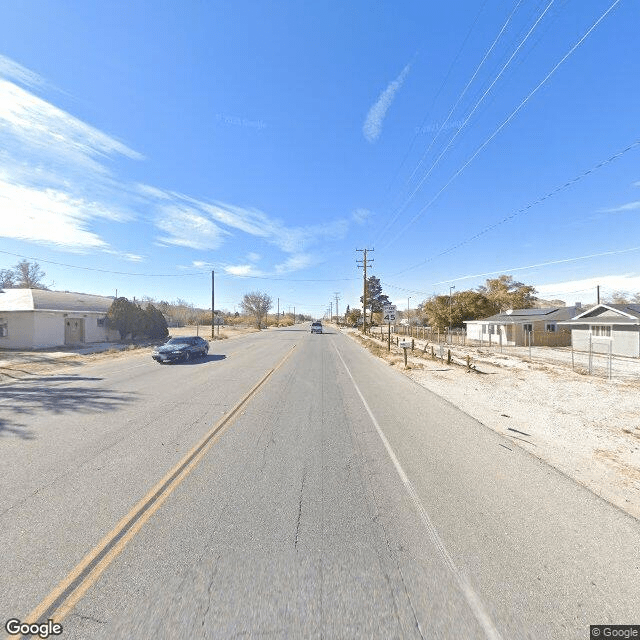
x,y
316,327
181,349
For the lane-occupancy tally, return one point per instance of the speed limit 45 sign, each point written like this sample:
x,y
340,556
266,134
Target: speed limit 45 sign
x,y
389,313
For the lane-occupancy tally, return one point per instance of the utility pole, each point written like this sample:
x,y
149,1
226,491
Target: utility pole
x,y
598,294
278,312
363,264
331,311
213,304
337,295
451,288
294,315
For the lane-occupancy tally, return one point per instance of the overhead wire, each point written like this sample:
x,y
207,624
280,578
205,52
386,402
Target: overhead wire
x,y
524,268
175,275
437,95
526,208
446,121
478,103
504,124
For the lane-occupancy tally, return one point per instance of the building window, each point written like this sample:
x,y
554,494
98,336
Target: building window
x,y
4,328
527,328
101,322
550,327
600,331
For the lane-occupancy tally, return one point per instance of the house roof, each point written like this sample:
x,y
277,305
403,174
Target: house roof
x,y
43,300
521,316
608,314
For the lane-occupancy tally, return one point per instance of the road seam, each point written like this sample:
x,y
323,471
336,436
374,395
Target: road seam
x,y
73,587
472,598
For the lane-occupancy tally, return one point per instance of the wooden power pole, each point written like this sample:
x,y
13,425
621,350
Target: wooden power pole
x,y
363,264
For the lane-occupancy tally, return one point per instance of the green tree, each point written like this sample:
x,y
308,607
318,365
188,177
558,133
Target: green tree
x,y
464,305
353,316
375,298
124,317
504,293
256,304
155,325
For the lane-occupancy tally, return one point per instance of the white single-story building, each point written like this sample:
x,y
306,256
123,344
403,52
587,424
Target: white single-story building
x,y
37,318
605,327
515,327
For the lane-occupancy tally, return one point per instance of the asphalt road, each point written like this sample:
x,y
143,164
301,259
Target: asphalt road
x,y
291,485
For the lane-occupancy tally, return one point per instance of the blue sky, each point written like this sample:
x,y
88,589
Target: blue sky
x,y
143,144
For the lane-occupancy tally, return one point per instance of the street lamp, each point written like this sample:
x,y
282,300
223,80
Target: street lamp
x,y
450,290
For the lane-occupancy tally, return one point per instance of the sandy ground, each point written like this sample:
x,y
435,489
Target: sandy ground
x,y
587,427
16,364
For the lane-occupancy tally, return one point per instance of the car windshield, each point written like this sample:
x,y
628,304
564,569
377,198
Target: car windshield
x,y
175,341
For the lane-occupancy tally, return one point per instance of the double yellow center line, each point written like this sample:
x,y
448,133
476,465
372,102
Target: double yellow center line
x,y
73,587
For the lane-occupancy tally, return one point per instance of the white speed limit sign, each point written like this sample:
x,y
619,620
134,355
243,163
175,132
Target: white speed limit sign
x,y
389,313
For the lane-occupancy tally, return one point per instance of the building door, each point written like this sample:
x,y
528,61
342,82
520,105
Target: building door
x,y
73,330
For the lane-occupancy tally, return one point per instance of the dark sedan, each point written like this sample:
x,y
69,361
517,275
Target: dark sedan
x,y
181,349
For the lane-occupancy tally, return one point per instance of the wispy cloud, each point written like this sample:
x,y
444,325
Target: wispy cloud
x,y
372,127
57,178
186,227
178,212
360,216
295,262
584,289
54,180
16,72
630,206
242,270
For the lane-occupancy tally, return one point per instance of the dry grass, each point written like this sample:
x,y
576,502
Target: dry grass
x,y
221,333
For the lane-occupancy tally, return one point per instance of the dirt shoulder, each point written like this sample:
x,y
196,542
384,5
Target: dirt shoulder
x,y
15,364
586,427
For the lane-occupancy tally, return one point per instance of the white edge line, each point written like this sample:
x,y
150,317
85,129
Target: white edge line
x,y
473,599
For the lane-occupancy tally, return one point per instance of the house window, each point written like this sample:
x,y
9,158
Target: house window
x,y
601,331
101,322
490,328
4,328
527,328
550,327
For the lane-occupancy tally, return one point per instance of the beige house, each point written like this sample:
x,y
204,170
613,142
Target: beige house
x,y
36,318
518,327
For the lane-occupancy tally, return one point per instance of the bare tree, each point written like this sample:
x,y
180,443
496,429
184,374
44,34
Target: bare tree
x,y
7,278
256,304
28,275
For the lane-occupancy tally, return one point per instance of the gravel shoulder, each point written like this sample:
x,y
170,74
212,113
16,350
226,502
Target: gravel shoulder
x,y
16,364
586,427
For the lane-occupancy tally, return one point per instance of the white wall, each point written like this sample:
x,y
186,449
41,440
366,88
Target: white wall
x,y
20,326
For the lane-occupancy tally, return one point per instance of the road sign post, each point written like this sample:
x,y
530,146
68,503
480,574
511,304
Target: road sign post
x,y
389,315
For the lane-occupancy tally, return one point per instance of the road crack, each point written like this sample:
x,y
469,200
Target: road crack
x,y
304,476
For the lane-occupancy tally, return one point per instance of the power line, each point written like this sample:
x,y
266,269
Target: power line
x,y
437,95
511,116
446,121
511,269
525,209
479,101
174,275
